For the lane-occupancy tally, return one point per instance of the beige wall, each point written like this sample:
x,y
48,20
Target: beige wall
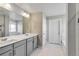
x,y
33,25
36,25
26,25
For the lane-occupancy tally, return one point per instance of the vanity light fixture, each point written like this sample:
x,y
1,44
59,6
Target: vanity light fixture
x,y
25,14
6,6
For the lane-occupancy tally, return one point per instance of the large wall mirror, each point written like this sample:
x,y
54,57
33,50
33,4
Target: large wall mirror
x,y
11,23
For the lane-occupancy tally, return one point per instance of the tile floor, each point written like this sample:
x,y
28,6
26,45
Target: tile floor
x,y
49,50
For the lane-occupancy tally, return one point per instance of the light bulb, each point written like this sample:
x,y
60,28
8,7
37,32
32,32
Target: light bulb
x,y
25,15
6,6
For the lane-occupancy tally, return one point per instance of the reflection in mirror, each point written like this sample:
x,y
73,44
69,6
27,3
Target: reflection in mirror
x,y
15,24
10,23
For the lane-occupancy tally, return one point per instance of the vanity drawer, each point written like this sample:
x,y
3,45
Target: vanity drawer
x,y
35,42
6,48
29,46
30,39
17,44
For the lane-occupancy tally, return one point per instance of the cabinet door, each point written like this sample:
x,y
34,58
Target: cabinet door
x,y
9,53
20,51
29,46
35,42
6,48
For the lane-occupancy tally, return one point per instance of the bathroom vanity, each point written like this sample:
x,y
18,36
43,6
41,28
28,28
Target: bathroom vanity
x,y
14,40
18,45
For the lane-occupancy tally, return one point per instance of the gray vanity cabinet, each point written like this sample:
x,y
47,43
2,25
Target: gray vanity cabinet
x,y
6,51
20,48
20,51
35,42
29,46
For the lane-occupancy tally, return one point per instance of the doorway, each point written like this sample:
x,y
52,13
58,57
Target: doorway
x,y
55,31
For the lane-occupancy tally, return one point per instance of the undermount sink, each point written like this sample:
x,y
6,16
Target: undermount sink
x,y
27,34
5,40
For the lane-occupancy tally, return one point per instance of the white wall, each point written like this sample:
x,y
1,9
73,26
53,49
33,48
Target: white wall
x,y
44,31
63,30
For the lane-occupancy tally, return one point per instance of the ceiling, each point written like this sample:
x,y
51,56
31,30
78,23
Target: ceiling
x,y
49,9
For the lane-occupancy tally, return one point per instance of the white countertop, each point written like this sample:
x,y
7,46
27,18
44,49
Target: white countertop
x,y
15,38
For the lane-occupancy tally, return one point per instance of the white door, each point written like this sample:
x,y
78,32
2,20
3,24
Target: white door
x,y
54,31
